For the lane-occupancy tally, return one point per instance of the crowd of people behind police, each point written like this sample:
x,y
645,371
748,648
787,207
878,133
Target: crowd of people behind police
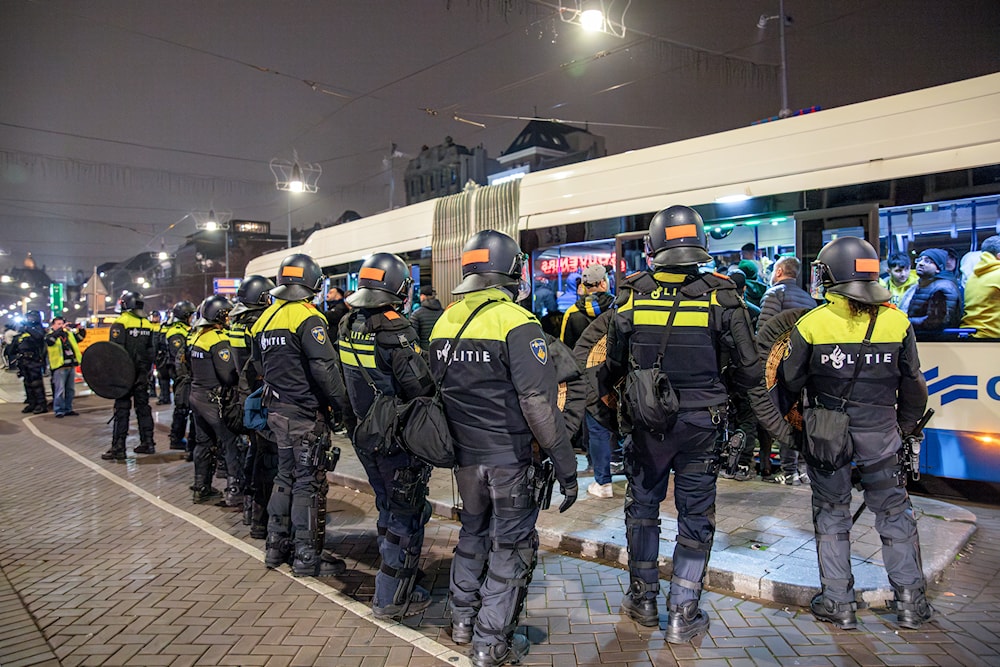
x,y
509,409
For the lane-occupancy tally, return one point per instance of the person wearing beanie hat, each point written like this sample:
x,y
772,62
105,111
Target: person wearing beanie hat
x,y
754,288
936,303
426,316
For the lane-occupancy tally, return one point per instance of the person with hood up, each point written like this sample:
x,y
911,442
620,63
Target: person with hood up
x,y
982,292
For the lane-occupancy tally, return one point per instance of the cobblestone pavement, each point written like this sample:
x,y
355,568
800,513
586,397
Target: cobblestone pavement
x,y
111,564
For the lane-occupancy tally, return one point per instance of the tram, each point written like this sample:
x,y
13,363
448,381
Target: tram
x,y
908,172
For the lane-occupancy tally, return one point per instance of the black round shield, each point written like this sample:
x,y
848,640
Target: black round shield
x,y
108,370
772,340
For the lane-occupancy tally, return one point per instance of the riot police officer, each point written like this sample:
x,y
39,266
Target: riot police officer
x,y
379,351
176,368
135,333
500,395
884,397
31,362
302,382
213,366
686,325
261,464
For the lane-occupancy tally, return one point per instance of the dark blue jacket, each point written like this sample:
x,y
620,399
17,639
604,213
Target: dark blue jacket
x,y
783,295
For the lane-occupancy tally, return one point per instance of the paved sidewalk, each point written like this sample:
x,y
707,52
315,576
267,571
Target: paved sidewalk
x,y
115,565
764,545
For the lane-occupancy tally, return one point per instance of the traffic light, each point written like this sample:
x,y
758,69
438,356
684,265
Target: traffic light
x,y
56,298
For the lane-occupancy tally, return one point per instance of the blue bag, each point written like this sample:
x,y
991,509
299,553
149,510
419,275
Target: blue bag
x,y
254,412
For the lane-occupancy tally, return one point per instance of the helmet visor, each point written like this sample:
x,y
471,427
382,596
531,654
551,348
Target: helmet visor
x,y
818,275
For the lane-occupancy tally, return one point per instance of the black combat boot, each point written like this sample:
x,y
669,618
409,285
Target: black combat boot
x,y
116,453
642,610
503,653
685,621
278,551
204,494
310,563
912,608
148,447
843,615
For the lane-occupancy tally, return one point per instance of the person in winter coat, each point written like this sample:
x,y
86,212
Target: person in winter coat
x,y
594,301
424,318
784,293
982,292
936,304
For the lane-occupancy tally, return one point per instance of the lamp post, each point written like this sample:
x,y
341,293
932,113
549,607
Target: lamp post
x,y
214,221
295,176
783,21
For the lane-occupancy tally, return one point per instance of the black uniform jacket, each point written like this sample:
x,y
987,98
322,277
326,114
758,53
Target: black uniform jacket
x,y
385,345
824,347
710,331
212,361
579,316
500,388
135,334
298,362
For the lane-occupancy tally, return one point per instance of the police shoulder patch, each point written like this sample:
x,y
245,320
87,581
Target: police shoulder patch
x,y
225,354
540,350
319,333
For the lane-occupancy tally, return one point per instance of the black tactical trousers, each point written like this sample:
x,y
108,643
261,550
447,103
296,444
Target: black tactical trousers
x,y
689,451
260,470
138,397
34,386
496,551
400,484
298,498
211,437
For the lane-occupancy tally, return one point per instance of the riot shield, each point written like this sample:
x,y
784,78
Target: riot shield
x,y
108,370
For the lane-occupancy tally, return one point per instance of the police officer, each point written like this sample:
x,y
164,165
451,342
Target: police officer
x,y
176,368
135,333
31,362
213,366
887,398
499,390
688,325
379,351
302,382
261,465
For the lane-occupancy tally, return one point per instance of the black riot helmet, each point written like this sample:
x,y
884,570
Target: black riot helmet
x,y
182,311
849,266
384,279
299,277
677,238
33,317
213,310
253,294
133,301
490,259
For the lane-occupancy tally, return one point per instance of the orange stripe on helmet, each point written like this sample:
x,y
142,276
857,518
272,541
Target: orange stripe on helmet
x,y
476,256
681,232
293,271
864,265
371,273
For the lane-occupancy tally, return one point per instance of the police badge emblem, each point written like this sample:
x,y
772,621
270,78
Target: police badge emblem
x,y
224,354
540,350
319,333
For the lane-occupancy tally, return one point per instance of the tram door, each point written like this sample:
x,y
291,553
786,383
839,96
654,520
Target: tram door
x,y
630,254
814,229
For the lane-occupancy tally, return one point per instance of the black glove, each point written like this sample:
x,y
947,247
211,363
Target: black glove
x,y
569,490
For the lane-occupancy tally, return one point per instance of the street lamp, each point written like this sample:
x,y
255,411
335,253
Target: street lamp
x,y
295,176
785,20
214,221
